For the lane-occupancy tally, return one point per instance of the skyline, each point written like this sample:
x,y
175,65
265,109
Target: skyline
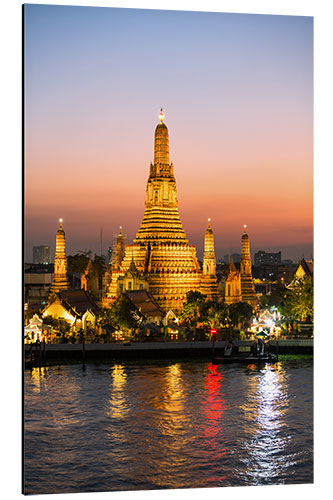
x,y
237,97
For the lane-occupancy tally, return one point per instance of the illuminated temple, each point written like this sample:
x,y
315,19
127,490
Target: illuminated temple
x,y
60,279
160,259
247,286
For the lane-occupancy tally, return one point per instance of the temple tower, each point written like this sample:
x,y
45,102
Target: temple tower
x,y
60,279
247,286
209,280
89,279
118,250
161,219
161,254
233,293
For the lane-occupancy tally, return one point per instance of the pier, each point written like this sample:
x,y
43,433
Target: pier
x,y
161,350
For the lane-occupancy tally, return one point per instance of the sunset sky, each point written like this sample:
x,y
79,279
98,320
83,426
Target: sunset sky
x,y
237,92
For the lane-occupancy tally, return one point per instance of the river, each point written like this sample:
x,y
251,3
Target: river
x,y
153,425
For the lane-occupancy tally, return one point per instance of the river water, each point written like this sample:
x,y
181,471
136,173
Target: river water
x,y
135,426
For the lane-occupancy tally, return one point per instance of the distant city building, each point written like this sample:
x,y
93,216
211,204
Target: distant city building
x,y
37,281
261,257
41,254
236,257
226,259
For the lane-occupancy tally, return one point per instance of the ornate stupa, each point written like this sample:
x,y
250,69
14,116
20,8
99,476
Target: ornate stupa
x,y
60,279
209,280
161,258
233,292
247,286
114,269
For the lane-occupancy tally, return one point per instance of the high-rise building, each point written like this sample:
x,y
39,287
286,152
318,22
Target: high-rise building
x,y
161,257
261,257
60,278
41,254
247,286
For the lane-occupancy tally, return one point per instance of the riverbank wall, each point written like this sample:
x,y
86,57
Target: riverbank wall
x,y
160,350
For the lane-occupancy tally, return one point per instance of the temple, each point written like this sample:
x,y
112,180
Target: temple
x,y
60,279
89,280
209,279
160,259
233,291
247,286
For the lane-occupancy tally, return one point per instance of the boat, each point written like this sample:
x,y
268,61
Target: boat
x,y
266,358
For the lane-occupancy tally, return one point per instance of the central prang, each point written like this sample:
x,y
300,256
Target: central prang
x,y
160,259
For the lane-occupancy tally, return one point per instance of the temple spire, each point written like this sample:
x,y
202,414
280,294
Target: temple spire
x,y
161,144
209,280
60,279
248,291
232,265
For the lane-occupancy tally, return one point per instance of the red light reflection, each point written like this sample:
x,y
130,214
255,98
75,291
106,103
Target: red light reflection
x,y
214,404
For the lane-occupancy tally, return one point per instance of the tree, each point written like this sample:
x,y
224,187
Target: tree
x,y
193,309
240,313
215,313
298,302
77,263
122,315
273,299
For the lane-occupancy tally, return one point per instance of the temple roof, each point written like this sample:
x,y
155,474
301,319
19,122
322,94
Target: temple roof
x,y
144,302
307,266
77,302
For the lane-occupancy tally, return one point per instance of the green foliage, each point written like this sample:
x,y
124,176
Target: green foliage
x,y
59,324
122,315
273,299
215,314
77,263
298,302
194,309
99,265
240,313
28,314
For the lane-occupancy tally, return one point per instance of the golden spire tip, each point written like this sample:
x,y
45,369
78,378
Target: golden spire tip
x,y
161,116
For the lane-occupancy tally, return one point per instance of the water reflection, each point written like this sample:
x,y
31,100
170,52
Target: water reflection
x,y
159,425
170,403
168,423
37,378
214,404
118,407
266,407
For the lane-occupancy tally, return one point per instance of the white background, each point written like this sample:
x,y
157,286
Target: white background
x,y
11,241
